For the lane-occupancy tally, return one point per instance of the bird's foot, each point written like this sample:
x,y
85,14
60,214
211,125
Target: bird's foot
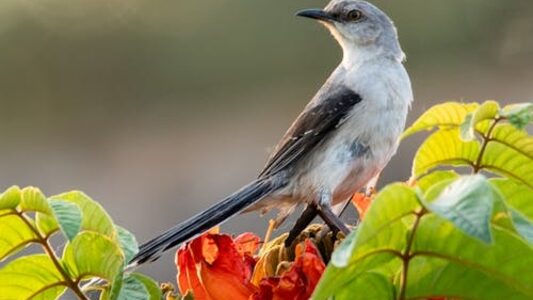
x,y
303,221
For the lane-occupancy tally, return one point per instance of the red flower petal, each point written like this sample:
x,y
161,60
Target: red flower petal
x,y
247,243
299,281
213,269
187,277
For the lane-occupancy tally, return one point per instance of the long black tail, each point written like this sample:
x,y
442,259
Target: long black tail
x,y
205,220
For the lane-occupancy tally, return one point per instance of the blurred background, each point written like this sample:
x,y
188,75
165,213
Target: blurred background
x,y
158,108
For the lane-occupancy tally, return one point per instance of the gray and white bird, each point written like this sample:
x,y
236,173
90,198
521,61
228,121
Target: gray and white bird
x,y
341,141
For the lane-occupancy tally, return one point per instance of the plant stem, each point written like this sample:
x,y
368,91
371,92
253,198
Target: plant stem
x,y
73,285
406,255
486,139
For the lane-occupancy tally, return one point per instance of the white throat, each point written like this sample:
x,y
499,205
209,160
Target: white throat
x,y
354,54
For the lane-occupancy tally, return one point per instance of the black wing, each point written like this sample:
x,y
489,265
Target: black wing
x,y
310,128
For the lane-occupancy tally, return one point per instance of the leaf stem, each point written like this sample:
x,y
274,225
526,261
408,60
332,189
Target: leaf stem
x,y
486,139
407,255
73,285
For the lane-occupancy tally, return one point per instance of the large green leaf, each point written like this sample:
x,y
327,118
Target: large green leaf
x,y
508,162
32,199
467,202
128,243
367,286
46,224
132,289
68,216
446,115
93,254
94,217
371,247
429,180
132,286
444,148
516,195
519,115
151,286
10,199
522,225
448,262
391,205
513,138
30,277
487,110
138,287
506,215
15,235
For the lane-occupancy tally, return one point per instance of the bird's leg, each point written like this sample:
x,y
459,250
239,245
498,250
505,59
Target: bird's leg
x,y
321,208
310,212
332,220
329,217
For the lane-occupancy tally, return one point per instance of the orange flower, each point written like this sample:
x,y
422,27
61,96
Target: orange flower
x,y
299,281
215,266
212,267
361,203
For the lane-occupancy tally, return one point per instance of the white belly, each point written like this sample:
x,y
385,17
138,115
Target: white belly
x,y
341,168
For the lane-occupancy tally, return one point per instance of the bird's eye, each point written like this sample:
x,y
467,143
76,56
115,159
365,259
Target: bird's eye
x,y
354,15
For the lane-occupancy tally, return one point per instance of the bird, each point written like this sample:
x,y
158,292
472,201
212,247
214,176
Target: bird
x,y
341,141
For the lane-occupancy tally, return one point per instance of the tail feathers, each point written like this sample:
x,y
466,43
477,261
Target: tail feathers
x,y
204,221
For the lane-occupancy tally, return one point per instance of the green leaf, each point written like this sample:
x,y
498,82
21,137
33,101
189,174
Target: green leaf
x,y
371,247
33,199
132,289
93,254
468,203
515,195
487,110
505,161
133,286
31,277
68,216
522,225
444,148
128,243
519,115
368,286
513,138
427,181
446,115
435,190
112,291
10,199
509,218
150,285
449,263
94,217
15,235
46,224
376,231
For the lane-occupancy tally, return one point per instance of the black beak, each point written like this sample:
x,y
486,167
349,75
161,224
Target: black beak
x,y
315,13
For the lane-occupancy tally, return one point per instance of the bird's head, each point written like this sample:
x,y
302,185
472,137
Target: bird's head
x,y
358,26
